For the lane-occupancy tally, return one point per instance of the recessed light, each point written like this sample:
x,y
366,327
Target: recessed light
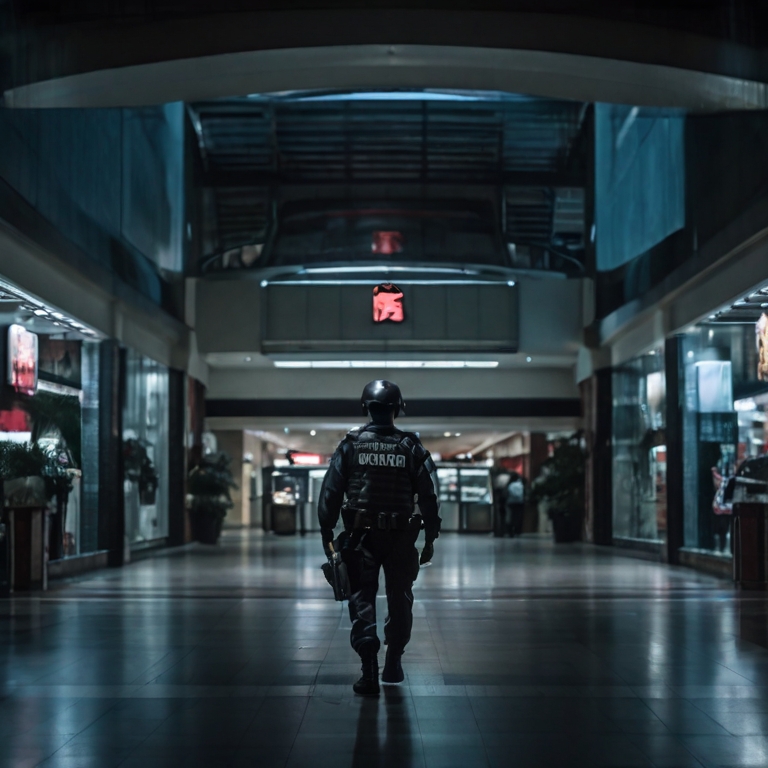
x,y
312,432
386,363
528,359
446,434
457,434
690,353
247,359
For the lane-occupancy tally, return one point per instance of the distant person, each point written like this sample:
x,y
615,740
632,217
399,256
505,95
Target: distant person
x,y
500,483
515,504
382,471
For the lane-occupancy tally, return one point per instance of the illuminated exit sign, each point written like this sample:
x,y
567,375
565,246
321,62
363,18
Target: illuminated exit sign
x,y
387,304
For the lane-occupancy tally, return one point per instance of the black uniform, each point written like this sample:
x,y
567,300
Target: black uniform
x,y
381,470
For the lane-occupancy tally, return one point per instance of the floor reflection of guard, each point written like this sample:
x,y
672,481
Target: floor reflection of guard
x,y
383,472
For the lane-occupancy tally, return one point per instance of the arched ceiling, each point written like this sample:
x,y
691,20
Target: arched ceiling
x,y
117,57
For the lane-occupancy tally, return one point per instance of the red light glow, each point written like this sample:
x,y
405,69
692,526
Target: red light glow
x,y
306,459
387,303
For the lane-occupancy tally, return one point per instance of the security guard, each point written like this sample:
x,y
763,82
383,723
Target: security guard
x,y
383,472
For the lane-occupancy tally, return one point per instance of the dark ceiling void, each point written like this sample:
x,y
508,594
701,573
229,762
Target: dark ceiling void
x,y
527,155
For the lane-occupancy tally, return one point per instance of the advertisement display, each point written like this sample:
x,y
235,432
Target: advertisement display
x,y
387,303
22,360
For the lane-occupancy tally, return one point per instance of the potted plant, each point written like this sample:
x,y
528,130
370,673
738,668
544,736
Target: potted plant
x,y
32,476
209,484
560,484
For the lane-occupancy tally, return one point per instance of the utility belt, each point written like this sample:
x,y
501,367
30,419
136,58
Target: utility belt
x,y
385,521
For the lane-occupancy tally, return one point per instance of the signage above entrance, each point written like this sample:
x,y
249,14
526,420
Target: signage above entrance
x,y
22,360
387,304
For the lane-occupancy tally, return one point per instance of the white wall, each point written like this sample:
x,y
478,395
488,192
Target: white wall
x,y
228,315
325,384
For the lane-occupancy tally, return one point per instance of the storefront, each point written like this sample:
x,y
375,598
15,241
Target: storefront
x,y
639,453
49,423
145,451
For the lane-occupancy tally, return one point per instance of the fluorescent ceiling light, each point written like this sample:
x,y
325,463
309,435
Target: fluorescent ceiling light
x,y
387,268
432,364
400,281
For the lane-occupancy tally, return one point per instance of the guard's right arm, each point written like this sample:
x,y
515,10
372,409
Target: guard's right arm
x,y
332,493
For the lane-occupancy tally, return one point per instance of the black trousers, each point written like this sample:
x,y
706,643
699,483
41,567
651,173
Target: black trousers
x,y
365,553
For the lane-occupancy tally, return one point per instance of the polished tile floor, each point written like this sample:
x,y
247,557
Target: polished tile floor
x,y
524,654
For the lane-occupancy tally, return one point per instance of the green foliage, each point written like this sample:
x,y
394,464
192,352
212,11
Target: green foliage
x,y
561,480
30,460
210,483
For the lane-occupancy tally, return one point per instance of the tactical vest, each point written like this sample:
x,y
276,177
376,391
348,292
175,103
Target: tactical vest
x,y
381,472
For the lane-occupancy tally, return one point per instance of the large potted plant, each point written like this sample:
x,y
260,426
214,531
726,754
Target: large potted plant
x,y
31,476
560,484
209,485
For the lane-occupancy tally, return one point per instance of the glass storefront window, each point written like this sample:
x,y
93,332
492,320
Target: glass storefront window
x,y
145,449
713,361
62,419
639,449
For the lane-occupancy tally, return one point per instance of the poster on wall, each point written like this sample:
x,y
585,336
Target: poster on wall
x,y
761,337
22,360
387,304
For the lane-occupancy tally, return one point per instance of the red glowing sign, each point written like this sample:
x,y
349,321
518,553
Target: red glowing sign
x,y
387,303
387,242
22,360
306,459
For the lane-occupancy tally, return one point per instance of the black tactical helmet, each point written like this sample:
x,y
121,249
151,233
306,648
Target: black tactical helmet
x,y
383,392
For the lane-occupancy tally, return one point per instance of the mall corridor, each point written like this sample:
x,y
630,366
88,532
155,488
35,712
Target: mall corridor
x,y
523,654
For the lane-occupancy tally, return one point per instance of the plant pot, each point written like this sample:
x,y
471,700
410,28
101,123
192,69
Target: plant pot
x,y
206,527
566,527
206,517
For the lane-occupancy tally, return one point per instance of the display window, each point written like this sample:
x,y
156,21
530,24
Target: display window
x,y
639,449
145,450
717,364
52,420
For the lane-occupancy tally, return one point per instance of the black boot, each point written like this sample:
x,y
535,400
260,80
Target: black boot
x,y
368,684
393,671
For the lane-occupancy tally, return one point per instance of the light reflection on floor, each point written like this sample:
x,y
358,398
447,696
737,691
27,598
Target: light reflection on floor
x,y
523,654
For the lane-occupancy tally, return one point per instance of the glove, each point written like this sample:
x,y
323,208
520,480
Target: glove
x,y
427,553
327,536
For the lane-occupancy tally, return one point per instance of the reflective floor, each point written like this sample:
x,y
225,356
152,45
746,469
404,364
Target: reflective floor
x,y
523,654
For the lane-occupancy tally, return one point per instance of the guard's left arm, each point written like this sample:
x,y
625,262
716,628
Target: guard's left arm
x,y
427,488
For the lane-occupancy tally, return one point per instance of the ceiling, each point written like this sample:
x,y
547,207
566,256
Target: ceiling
x,y
525,153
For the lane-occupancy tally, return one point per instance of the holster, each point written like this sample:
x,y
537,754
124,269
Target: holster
x,y
335,572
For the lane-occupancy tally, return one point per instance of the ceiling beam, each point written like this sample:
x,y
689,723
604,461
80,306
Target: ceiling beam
x,y
244,179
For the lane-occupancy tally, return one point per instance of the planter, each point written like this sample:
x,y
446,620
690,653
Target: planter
x,y
23,492
206,518
206,528
566,526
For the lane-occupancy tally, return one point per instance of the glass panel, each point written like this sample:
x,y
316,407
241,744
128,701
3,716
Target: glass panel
x,y
385,232
475,486
639,449
145,449
711,435
448,479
